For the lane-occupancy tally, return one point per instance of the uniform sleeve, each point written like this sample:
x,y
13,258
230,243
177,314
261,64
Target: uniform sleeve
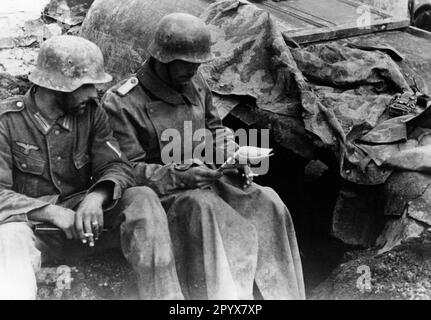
x,y
108,162
14,206
224,138
161,178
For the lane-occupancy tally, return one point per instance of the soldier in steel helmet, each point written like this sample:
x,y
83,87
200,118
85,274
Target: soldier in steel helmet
x,y
60,165
227,239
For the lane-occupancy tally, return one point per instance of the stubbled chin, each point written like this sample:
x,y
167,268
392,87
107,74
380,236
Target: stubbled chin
x,y
76,112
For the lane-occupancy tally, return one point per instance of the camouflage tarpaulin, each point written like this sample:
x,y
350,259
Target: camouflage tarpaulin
x,y
247,47
356,85
336,92
252,60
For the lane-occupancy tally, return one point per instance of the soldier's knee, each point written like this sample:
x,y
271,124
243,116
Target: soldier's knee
x,y
143,200
16,232
267,195
198,197
18,246
196,208
199,201
272,199
145,228
144,210
139,194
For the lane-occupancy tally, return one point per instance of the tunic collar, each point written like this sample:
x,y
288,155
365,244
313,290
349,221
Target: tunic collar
x,y
44,125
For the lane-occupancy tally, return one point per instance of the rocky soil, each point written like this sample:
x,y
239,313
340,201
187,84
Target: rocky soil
x,y
404,273
102,277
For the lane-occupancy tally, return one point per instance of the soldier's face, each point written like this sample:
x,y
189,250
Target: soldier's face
x,y
76,102
181,72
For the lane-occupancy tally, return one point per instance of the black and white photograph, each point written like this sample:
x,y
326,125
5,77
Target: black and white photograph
x,y
229,151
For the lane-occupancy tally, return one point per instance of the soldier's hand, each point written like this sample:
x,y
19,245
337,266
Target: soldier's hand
x,y
246,174
198,177
89,218
64,219
242,170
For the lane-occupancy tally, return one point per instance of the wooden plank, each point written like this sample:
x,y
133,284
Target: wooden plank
x,y
315,20
343,31
376,11
394,8
337,12
298,14
419,32
319,13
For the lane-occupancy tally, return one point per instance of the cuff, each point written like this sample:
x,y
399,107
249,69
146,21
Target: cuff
x,y
117,192
20,214
15,218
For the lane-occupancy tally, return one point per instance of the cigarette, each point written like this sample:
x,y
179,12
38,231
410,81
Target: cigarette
x,y
250,175
227,162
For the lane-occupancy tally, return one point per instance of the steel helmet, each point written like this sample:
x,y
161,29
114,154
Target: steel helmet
x,y
65,63
181,36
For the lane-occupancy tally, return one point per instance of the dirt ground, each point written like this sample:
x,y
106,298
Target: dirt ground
x,y
102,277
401,274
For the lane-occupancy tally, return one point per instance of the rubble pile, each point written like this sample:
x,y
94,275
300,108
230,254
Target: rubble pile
x,y
26,24
10,85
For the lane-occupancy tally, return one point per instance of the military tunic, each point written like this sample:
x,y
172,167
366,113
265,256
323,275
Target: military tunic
x,y
225,238
39,157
